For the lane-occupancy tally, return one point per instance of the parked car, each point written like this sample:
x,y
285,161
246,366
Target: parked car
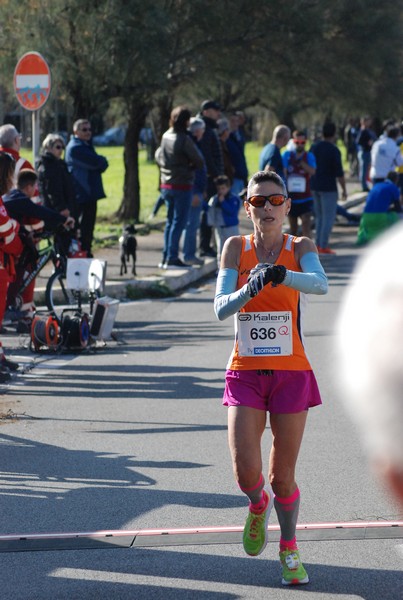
x,y
115,136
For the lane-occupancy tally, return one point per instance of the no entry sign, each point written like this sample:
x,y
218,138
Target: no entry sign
x,y
32,81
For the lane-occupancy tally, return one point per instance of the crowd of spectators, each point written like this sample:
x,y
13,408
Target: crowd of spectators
x,y
203,176
203,171
55,196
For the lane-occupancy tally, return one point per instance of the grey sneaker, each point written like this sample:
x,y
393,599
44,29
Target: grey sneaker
x,y
176,263
194,261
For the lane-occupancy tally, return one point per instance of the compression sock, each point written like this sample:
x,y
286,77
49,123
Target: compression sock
x,y
287,513
257,501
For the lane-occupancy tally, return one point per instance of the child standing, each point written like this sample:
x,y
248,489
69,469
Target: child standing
x,y
223,213
32,217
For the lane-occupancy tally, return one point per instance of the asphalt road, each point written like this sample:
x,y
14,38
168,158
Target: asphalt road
x,y
134,437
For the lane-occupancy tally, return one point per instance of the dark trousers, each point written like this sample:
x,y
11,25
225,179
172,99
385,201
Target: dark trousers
x,y
205,233
206,230
87,216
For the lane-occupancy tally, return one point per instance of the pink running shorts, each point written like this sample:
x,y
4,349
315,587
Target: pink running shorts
x,y
278,392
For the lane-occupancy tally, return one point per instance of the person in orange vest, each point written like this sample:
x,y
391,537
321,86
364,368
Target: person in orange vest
x,y
269,377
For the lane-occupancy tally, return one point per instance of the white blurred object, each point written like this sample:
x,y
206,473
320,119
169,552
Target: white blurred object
x,y
105,312
85,274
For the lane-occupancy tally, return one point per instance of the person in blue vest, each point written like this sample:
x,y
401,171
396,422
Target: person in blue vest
x,y
86,167
382,209
299,166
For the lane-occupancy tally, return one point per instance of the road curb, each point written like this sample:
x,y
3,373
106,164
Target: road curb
x,y
173,279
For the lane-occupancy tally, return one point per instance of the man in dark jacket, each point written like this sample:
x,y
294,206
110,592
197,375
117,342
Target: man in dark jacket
x,y
56,183
86,167
211,149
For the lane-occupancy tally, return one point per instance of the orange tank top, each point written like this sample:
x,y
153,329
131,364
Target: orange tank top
x,y
268,329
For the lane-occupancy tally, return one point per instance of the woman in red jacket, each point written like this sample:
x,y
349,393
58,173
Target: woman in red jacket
x,y
10,246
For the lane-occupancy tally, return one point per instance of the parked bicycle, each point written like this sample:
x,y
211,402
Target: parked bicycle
x,y
59,247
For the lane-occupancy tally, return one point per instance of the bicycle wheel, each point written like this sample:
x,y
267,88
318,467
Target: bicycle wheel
x,y
57,295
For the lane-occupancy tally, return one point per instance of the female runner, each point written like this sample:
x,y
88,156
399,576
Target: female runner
x,y
263,280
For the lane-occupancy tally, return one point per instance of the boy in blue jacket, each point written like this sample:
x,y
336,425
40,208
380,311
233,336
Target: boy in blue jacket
x,y
223,213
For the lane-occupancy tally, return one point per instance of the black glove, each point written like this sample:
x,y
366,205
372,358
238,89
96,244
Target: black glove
x,y
263,274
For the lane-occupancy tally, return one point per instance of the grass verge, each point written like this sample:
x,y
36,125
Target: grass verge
x,y
154,290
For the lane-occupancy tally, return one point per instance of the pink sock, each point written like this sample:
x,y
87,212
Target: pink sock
x,y
288,544
259,507
255,493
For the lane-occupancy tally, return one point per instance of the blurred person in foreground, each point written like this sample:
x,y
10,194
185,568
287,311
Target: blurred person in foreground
x,y
370,356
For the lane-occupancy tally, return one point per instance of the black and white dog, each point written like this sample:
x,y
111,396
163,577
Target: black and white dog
x,y
128,247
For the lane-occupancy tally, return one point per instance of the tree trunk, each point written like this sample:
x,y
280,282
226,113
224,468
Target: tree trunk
x,y
129,209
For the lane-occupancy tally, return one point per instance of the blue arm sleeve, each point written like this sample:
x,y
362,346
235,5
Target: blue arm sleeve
x,y
312,280
228,300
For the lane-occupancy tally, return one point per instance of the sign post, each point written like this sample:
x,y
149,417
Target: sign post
x,y
32,83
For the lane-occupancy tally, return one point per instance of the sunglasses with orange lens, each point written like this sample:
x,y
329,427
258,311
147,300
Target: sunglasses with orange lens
x,y
274,199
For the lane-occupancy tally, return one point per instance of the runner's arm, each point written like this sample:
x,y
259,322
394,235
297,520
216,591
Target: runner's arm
x,y
228,300
313,278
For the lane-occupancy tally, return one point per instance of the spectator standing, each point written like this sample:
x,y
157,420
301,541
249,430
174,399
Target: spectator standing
x,y
87,167
177,157
223,211
56,184
236,149
329,171
382,209
21,207
365,139
197,128
10,141
10,247
270,157
239,132
210,112
299,166
399,142
385,155
350,141
224,133
10,243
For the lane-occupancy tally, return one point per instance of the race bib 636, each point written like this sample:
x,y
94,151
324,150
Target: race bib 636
x,y
264,333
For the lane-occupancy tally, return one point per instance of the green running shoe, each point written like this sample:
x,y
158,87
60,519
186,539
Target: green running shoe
x,y
255,530
293,569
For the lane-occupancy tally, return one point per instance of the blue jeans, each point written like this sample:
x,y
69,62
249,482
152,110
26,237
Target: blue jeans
x,y
325,208
237,186
364,161
178,205
192,227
